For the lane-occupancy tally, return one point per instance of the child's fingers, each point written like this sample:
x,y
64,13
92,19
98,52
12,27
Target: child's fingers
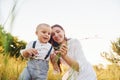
x,y
32,51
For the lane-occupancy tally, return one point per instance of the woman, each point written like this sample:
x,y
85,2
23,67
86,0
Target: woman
x,y
71,52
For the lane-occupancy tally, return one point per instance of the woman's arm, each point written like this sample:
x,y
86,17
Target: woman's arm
x,y
71,62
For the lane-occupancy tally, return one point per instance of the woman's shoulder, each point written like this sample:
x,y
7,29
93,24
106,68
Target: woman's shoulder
x,y
73,40
74,43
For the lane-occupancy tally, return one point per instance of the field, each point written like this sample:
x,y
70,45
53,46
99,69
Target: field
x,y
10,69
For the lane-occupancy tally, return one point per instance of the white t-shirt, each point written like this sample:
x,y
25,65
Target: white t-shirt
x,y
42,49
86,71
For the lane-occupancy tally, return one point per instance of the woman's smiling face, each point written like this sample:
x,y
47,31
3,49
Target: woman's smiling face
x,y
58,34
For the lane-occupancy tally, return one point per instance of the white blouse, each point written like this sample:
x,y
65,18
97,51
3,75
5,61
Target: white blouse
x,y
86,71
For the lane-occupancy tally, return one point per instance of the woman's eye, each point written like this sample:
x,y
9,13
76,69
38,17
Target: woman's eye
x,y
58,31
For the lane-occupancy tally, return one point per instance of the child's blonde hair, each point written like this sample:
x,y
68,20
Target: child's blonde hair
x,y
42,24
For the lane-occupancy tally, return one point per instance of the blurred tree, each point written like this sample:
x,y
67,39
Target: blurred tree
x,y
11,45
114,55
1,38
116,46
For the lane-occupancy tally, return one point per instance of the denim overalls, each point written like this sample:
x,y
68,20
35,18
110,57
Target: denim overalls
x,y
36,69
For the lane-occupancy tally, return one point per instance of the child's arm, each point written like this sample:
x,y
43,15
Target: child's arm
x,y
27,53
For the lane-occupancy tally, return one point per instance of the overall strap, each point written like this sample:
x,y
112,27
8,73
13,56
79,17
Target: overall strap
x,y
34,43
33,46
48,53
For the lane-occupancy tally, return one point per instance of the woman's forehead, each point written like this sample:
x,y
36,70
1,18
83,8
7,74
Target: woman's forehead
x,y
56,28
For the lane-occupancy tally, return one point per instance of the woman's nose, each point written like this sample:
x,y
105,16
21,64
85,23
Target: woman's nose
x,y
56,34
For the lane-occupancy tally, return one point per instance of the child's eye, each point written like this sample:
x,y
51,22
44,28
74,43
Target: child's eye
x,y
43,32
49,33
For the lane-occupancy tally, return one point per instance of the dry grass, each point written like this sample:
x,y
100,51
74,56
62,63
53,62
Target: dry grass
x,y
10,69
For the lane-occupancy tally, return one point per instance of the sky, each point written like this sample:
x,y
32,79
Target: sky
x,y
93,22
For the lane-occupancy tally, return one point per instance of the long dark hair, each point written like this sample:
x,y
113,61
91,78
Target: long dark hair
x,y
56,45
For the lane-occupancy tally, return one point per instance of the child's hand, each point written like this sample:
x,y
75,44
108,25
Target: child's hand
x,y
30,52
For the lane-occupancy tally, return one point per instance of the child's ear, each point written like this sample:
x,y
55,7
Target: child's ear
x,y
36,32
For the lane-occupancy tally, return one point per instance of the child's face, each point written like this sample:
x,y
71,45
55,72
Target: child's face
x,y
44,33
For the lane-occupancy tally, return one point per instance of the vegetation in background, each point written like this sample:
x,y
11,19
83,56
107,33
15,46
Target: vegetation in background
x,y
114,55
11,67
113,70
10,44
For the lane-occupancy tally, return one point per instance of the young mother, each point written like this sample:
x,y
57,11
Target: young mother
x,y
72,54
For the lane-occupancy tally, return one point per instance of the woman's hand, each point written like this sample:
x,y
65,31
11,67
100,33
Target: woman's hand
x,y
63,50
